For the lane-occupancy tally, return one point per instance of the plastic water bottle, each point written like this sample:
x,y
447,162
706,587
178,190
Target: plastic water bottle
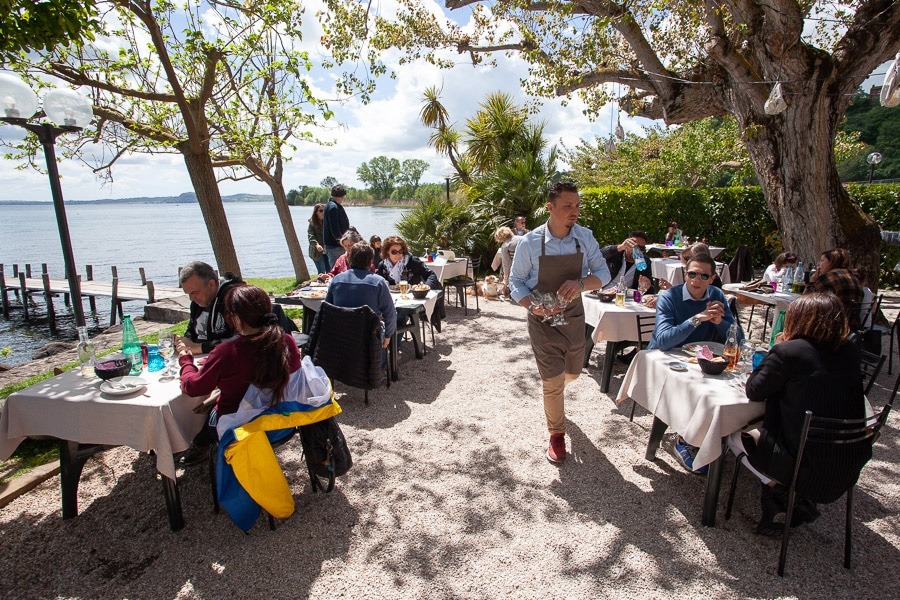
x,y
639,263
86,353
131,346
678,242
797,288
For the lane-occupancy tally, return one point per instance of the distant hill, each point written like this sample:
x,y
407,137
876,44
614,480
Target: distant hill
x,y
185,198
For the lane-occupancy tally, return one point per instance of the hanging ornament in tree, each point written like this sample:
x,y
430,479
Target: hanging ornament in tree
x,y
620,133
776,103
611,145
890,89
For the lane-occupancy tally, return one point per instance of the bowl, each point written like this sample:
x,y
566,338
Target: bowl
x,y
713,367
606,296
107,369
420,294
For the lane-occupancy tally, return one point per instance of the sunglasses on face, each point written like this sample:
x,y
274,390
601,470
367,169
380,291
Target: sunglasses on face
x,y
396,252
695,275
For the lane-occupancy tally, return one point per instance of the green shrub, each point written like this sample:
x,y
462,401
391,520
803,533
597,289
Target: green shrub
x,y
881,201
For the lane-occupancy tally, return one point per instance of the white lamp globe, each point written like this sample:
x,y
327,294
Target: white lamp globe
x,y
68,108
17,99
874,158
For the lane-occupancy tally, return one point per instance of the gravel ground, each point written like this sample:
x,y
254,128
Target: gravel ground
x,y
451,496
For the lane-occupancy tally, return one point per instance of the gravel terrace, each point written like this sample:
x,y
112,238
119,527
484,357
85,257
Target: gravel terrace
x,y
451,496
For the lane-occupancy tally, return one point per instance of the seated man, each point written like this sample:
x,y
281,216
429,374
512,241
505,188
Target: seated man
x,y
519,226
357,286
620,261
692,312
208,326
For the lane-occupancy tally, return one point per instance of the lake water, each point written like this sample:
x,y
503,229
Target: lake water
x,y
158,237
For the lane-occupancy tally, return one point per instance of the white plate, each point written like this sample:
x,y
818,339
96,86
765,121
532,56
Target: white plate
x,y
714,347
677,365
123,386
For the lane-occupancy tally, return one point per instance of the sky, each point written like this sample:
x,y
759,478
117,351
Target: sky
x,y
388,126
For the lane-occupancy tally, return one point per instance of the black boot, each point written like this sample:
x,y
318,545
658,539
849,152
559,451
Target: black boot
x,y
772,504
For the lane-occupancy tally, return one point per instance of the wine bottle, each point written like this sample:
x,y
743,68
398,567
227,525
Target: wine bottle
x,y
732,351
620,291
131,346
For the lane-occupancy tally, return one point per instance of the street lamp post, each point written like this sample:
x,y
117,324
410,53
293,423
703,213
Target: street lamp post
x,y
447,179
18,106
873,159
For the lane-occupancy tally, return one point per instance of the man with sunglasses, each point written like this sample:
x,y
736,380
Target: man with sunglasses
x,y
620,261
694,311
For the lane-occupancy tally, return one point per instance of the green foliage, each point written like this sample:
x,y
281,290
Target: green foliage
x,y
436,222
882,203
879,130
30,25
728,217
30,454
380,175
278,285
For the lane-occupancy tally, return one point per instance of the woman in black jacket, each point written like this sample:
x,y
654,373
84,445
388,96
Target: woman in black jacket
x,y
398,264
813,368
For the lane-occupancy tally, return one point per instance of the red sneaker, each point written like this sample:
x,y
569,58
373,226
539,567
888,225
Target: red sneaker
x,y
556,453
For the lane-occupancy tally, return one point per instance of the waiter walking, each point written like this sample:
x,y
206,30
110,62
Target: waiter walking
x,y
558,257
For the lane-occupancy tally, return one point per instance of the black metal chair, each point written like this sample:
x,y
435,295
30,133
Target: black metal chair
x,y
870,365
645,326
836,432
462,284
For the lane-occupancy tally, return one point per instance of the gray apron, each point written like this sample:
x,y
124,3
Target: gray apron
x,y
560,349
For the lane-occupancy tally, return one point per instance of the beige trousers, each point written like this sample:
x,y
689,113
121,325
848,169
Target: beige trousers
x,y
554,404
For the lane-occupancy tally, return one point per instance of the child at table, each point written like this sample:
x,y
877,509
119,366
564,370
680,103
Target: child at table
x,y
261,354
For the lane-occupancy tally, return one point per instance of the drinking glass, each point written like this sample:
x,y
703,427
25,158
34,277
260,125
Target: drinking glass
x,y
404,288
166,348
560,317
550,302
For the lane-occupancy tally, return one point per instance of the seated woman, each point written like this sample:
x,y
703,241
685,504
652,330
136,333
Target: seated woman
x,y
813,368
833,275
358,287
261,354
398,264
350,237
775,271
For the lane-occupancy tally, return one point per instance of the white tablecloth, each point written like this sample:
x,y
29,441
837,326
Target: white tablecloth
x,y
430,301
714,251
702,408
778,299
613,323
72,408
670,269
446,270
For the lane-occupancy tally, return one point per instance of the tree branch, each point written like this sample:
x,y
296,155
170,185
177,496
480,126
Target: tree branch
x,y
137,127
76,77
586,80
872,38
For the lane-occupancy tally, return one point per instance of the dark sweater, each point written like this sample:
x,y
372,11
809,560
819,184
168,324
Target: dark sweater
x,y
335,223
796,376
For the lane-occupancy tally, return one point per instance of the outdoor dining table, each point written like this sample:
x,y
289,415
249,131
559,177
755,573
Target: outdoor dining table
x,y
777,300
703,409
408,307
88,421
445,269
616,325
714,251
672,270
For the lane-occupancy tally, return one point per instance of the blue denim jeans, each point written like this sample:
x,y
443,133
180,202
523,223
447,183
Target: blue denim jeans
x,y
334,253
322,264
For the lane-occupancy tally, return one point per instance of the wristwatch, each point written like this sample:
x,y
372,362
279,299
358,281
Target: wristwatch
x,y
694,321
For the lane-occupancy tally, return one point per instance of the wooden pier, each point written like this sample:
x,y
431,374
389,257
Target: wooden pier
x,y
23,285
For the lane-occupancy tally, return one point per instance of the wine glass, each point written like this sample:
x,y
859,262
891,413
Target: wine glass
x,y
550,302
560,317
166,346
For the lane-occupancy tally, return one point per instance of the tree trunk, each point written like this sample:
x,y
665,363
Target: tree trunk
x,y
203,179
793,156
301,272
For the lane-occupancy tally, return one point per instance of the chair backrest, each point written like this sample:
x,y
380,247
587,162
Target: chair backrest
x,y
741,266
870,365
645,326
866,311
720,269
346,343
475,264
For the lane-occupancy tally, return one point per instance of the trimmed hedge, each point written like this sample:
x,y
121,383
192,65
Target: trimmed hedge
x,y
729,217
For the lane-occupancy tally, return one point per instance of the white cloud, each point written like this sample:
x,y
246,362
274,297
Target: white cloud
x,y
389,126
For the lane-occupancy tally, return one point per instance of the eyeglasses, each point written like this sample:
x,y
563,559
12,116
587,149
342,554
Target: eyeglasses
x,y
320,210
695,275
396,252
